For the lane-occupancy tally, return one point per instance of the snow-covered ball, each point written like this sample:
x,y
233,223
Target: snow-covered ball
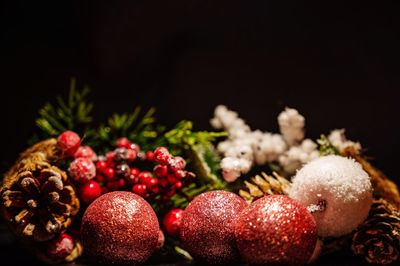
x,y
342,186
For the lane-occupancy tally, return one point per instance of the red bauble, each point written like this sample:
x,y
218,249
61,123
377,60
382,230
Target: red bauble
x,y
68,142
90,191
120,228
172,221
207,228
276,230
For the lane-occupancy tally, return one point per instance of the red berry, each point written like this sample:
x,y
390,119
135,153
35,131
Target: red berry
x,y
178,185
172,221
160,170
139,189
180,174
171,179
100,178
135,171
110,173
60,247
144,177
152,182
82,170
130,155
68,142
113,185
133,179
171,192
134,147
121,182
150,156
163,182
177,163
123,143
101,165
90,191
85,152
162,156
155,189
110,156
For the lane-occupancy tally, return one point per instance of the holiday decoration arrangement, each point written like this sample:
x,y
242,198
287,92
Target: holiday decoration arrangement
x,y
130,190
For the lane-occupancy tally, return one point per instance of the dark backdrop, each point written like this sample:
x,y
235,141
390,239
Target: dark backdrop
x,y
337,63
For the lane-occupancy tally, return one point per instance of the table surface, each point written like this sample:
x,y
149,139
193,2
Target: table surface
x,y
13,254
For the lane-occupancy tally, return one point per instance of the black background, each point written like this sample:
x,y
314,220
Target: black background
x,y
336,63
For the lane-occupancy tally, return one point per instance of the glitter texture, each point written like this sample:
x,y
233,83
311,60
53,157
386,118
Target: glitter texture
x,y
276,230
120,228
207,229
343,185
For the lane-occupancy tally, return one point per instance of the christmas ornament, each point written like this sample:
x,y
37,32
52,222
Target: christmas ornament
x,y
120,228
378,238
276,230
172,221
82,170
85,152
37,198
207,228
259,186
338,192
68,142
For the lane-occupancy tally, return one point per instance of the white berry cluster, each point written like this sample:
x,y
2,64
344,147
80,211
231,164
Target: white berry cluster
x,y
245,148
338,139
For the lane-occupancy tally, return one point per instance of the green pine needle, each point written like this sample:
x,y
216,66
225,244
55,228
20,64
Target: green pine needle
x,y
73,114
326,147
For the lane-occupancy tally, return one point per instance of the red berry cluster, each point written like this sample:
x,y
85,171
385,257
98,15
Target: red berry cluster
x,y
120,170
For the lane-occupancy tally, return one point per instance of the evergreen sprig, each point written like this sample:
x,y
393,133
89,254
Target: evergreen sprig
x,y
72,114
326,147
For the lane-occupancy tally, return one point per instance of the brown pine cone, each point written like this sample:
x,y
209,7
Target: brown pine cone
x,y
36,197
383,186
265,185
378,238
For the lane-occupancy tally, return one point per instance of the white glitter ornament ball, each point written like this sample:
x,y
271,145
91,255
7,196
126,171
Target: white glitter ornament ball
x,y
342,186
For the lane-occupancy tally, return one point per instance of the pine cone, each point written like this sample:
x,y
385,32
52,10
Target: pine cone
x,y
265,185
378,238
383,186
37,198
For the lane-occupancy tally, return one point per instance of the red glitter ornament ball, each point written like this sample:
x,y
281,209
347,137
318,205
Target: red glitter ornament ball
x,y
276,230
207,227
120,228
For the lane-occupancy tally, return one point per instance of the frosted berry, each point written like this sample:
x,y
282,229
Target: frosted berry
x,y
177,163
160,170
90,191
82,170
162,156
122,170
120,154
139,189
68,142
134,147
85,152
172,222
61,246
123,143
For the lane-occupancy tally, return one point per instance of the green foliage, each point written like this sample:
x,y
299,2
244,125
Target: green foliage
x,y
138,127
326,147
199,149
73,114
